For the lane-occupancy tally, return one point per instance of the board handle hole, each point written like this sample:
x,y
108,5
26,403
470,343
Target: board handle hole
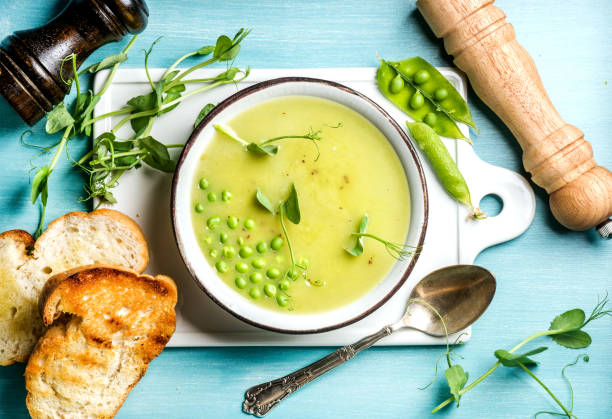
x,y
491,205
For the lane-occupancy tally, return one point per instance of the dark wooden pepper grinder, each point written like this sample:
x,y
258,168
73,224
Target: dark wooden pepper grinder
x,y
30,60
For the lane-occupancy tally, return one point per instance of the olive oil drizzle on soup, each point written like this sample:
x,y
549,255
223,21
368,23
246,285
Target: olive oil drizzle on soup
x,y
357,172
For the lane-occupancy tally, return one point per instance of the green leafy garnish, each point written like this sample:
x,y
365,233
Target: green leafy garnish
x,y
289,208
269,150
395,250
292,206
107,62
574,340
227,49
266,148
110,157
513,360
39,184
565,330
58,119
358,249
205,111
456,378
567,327
264,201
156,155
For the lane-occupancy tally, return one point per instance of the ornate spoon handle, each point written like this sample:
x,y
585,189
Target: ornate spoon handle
x,y
259,399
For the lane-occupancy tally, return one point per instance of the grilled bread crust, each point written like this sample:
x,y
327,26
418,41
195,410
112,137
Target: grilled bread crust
x,y
106,324
103,236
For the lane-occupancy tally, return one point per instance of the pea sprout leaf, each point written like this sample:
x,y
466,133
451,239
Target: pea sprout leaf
x,y
292,206
158,156
143,102
205,111
229,74
108,196
206,50
105,136
456,378
358,249
177,89
576,339
509,359
223,45
170,96
569,321
40,185
58,119
168,77
140,124
81,103
268,149
227,49
567,326
107,62
85,116
264,201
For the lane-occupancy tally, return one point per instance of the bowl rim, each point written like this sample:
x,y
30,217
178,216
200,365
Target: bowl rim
x,y
256,88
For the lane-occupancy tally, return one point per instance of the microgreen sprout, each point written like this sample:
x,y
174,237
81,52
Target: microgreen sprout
x,y
289,208
111,157
266,147
565,330
395,250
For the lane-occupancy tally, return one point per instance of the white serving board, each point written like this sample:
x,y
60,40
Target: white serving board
x,y
145,196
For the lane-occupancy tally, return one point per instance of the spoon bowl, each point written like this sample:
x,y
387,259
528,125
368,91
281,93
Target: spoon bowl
x,y
458,294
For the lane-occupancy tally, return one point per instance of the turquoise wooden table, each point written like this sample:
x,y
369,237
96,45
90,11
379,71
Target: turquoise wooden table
x,y
540,274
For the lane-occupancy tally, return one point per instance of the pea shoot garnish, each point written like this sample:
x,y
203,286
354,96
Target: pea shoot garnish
x,y
565,330
205,111
395,250
110,156
266,147
289,208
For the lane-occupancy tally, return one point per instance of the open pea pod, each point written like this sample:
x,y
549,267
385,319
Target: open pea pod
x,y
418,89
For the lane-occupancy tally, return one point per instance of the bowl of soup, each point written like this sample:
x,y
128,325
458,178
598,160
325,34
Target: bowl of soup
x,y
299,205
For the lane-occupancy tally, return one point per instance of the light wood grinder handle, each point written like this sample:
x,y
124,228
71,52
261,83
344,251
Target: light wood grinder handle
x,y
504,76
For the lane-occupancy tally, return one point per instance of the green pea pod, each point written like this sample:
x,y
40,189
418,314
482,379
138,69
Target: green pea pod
x,y
406,83
443,165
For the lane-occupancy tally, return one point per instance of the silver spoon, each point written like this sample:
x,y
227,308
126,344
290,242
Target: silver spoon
x,y
460,294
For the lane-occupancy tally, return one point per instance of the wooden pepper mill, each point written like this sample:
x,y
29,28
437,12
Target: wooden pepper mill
x,y
30,60
504,76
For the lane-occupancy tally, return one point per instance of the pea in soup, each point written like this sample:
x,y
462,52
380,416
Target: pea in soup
x,y
354,171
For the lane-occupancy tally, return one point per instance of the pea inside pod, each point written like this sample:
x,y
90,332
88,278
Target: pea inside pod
x,y
440,98
443,164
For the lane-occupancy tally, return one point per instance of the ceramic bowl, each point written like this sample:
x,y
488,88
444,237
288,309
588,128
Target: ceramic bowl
x,y
205,275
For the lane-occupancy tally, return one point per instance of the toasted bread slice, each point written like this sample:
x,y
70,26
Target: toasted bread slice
x,y
107,324
76,239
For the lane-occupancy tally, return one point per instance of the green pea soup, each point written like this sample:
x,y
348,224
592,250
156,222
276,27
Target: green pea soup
x,y
357,172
